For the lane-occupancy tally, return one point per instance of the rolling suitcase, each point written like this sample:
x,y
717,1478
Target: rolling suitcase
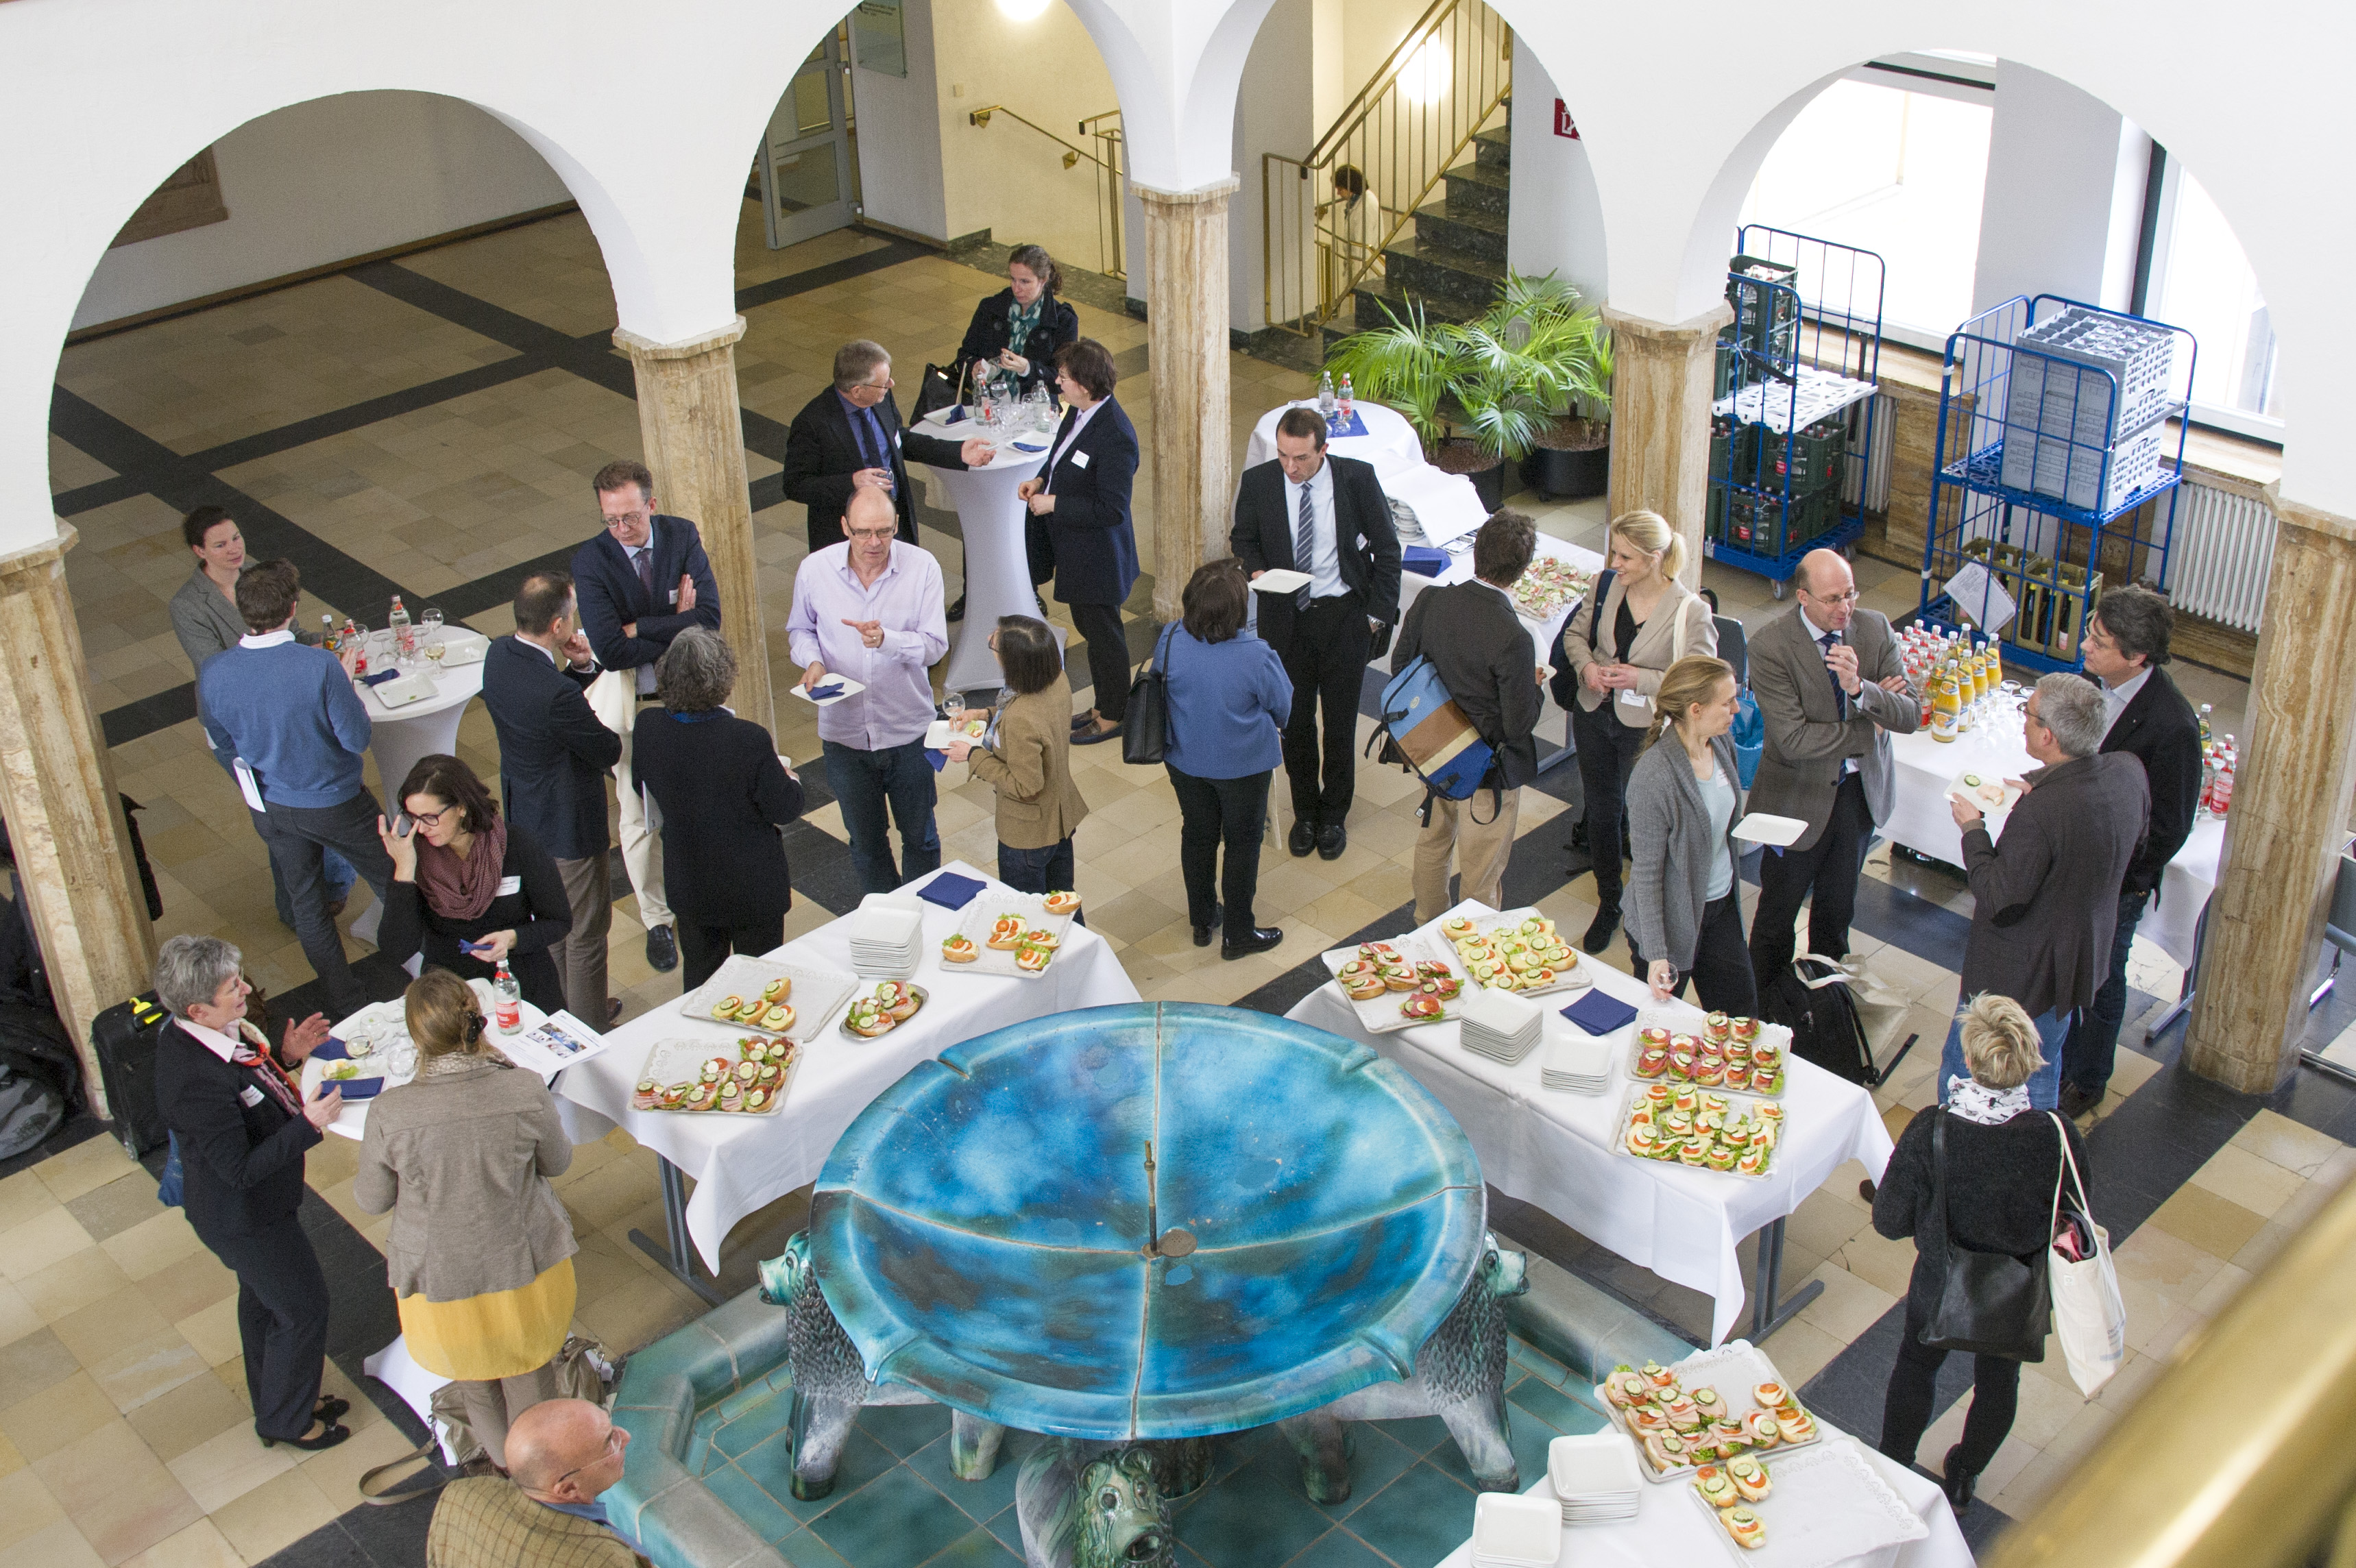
x,y
124,1036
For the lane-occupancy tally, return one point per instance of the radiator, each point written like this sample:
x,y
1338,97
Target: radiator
x,y
2223,547
1869,480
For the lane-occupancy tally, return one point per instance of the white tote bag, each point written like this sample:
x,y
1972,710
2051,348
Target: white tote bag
x,y
2088,1317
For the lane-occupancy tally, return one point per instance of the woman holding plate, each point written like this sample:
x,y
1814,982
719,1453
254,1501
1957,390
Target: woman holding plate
x,y
1685,795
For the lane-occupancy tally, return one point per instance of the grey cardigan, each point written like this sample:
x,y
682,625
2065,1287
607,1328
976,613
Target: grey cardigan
x,y
1670,827
204,620
463,1159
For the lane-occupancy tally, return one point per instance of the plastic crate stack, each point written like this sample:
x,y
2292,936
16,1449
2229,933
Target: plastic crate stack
x,y
2065,433
2054,599
1743,449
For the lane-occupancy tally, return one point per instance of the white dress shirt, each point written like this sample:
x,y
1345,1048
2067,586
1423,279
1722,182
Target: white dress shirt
x,y
2116,698
1817,634
1079,422
1324,563
220,1044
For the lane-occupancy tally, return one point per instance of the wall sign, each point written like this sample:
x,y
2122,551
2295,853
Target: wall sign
x,y
1563,123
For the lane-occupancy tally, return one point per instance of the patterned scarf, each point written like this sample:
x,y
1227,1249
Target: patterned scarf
x,y
1976,1102
253,1053
1021,319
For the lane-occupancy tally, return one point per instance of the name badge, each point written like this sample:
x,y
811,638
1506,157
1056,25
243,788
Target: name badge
x,y
1631,697
249,1096
674,596
509,887
1079,460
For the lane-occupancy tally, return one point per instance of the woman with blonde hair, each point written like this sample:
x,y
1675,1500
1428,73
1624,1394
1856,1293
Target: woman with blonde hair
x,y
480,1253
1684,908
1998,1161
1614,650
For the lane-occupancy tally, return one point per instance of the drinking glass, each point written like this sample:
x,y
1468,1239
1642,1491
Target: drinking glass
x,y
436,645
431,619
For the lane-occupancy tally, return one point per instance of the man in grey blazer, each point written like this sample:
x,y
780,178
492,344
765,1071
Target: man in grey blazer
x,y
1831,688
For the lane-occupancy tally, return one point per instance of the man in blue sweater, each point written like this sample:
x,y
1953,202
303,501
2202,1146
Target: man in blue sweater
x,y
286,719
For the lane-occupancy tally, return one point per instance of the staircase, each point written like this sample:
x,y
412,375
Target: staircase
x,y
1455,259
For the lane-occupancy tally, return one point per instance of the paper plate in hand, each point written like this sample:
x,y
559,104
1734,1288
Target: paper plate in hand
x,y
1825,1504
816,995
849,689
674,1071
1279,580
1742,1113
1766,827
1985,793
1734,1369
940,732
1567,974
1382,1014
980,927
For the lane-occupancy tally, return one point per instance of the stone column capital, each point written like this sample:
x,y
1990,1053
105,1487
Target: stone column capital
x,y
2299,515
1214,195
20,569
1684,338
638,347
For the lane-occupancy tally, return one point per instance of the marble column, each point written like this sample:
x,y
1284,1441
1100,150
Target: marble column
x,y
693,428
1186,309
2288,819
1661,381
64,811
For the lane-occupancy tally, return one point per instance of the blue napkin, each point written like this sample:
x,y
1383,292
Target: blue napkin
x,y
331,1049
1027,446
830,689
939,758
1597,1013
1338,425
381,676
950,890
955,414
1423,561
357,1088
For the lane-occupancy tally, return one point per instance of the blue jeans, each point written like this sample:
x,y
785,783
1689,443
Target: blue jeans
x,y
2044,1085
2093,1042
1046,870
864,783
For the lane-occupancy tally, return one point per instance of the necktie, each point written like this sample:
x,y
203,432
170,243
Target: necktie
x,y
1840,698
870,438
643,558
248,1056
1305,545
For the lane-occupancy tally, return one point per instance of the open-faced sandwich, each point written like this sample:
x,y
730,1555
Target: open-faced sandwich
x,y
672,1096
1033,959
1749,1478
959,949
779,989
1744,1526
1651,1063
1041,937
1364,986
779,1017
699,1098
716,1069
898,998
1456,930
643,1097
728,1008
1443,986
755,1100
1422,1006
1063,904
1712,1485
1006,932
868,1018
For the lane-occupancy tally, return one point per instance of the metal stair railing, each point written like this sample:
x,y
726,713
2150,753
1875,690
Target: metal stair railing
x,y
1109,168
1404,131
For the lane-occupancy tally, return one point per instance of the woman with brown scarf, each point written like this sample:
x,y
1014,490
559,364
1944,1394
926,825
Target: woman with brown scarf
x,y
470,888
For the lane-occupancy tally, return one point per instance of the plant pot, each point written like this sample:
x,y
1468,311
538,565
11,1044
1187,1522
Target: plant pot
x,y
1466,458
1571,462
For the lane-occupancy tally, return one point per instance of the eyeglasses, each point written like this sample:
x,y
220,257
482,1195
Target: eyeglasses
x,y
1850,597
872,533
613,1446
624,519
431,818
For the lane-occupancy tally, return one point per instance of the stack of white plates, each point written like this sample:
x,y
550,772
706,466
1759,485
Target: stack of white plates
x,y
1500,1027
1580,1065
1594,1477
1516,1531
886,940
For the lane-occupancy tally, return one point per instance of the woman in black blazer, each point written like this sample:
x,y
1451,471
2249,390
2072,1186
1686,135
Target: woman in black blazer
x,y
1016,331
724,795
471,887
241,1126
1083,494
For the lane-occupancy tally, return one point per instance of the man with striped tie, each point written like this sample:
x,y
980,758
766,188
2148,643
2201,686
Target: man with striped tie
x,y
1311,512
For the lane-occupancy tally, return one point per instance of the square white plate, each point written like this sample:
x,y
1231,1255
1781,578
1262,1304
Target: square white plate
x,y
1766,827
405,690
849,689
1277,580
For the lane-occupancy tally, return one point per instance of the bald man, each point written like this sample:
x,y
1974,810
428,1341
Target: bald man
x,y
561,1454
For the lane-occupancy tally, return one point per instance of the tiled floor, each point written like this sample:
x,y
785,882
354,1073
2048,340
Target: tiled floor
x,y
430,425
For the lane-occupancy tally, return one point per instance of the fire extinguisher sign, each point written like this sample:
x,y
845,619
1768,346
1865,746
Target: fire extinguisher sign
x,y
1564,125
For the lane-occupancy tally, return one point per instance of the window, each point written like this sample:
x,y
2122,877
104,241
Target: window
x,y
2202,282
190,199
1895,172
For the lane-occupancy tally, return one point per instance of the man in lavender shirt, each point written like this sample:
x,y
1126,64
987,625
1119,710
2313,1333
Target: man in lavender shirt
x,y
872,608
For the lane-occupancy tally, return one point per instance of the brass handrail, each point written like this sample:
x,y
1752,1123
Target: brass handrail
x,y
1072,155
1111,259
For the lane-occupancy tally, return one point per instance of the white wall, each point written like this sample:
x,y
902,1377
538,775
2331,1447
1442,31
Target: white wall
x,y
1371,30
900,135
323,180
1557,225
1275,112
2064,201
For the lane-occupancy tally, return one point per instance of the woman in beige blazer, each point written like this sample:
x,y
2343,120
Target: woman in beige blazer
x,y
1614,654
1026,756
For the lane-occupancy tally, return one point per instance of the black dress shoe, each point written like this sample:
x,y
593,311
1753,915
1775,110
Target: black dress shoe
x,y
1259,940
1092,736
662,948
957,610
1959,1485
1303,836
1203,933
1082,721
328,1437
330,1408
1599,932
1332,840
1866,1190
2076,1101
613,1010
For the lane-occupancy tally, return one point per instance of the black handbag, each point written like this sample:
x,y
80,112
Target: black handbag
x,y
1145,728
1990,1304
936,390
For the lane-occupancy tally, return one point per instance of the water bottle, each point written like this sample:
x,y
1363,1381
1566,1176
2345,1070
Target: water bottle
x,y
2206,735
327,632
1325,394
508,1015
1347,398
399,621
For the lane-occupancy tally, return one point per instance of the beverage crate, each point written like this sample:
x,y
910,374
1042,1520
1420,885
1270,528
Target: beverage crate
x,y
1764,526
2055,599
2094,479
1734,453
1727,373
2074,400
1816,458
1766,317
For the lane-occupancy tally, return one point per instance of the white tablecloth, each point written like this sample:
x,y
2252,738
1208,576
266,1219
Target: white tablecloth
x,y
1668,1528
741,1163
1389,444
1920,819
997,566
1561,1151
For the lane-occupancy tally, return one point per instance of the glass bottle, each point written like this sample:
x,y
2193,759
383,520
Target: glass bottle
x,y
508,1016
1325,394
398,621
1946,709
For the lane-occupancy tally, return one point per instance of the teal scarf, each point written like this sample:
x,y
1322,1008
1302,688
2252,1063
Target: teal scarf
x,y
1020,320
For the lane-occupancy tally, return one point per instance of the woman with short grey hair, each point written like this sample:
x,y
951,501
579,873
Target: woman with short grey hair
x,y
723,792
241,1126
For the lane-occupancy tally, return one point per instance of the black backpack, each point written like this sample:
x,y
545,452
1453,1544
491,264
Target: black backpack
x,y
1812,999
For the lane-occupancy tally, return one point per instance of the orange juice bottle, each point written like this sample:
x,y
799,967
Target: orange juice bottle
x,y
1946,709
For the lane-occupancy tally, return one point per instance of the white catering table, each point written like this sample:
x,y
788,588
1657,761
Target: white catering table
x,y
741,1163
1920,819
1389,444
1561,1151
997,566
1544,633
351,1121
1668,1528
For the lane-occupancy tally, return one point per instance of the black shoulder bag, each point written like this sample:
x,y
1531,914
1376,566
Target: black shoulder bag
x,y
1990,1304
1145,728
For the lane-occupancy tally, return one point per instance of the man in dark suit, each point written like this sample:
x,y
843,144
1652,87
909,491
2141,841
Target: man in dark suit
x,y
850,437
2046,898
1327,517
554,757
1482,652
1832,690
2148,719
640,584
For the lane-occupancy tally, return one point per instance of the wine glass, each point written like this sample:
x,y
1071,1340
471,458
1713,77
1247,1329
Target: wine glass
x,y
431,621
435,645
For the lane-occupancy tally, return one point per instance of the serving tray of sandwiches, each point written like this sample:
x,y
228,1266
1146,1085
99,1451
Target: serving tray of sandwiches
x,y
691,1075
1520,950
1806,1508
1007,933
770,995
1741,1054
1713,1407
1395,984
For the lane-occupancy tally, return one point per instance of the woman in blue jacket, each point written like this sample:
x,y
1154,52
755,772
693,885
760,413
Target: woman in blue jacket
x,y
1228,698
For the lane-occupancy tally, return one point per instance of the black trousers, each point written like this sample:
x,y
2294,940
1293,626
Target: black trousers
x,y
1212,811
1721,967
298,838
1607,755
1906,1408
1830,868
1108,655
704,948
282,1321
1325,659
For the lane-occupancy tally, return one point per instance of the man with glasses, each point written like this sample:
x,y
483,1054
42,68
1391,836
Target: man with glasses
x,y
641,582
1832,690
871,608
849,438
563,1455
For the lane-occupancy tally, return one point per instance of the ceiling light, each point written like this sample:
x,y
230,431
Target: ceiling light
x,y
1023,10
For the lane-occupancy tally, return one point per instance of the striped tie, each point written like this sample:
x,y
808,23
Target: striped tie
x,y
1304,544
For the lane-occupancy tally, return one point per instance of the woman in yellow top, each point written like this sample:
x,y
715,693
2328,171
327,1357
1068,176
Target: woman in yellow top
x,y
1026,756
1614,650
480,1255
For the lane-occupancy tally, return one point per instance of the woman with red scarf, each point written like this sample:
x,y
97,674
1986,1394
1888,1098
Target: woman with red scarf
x,y
469,887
